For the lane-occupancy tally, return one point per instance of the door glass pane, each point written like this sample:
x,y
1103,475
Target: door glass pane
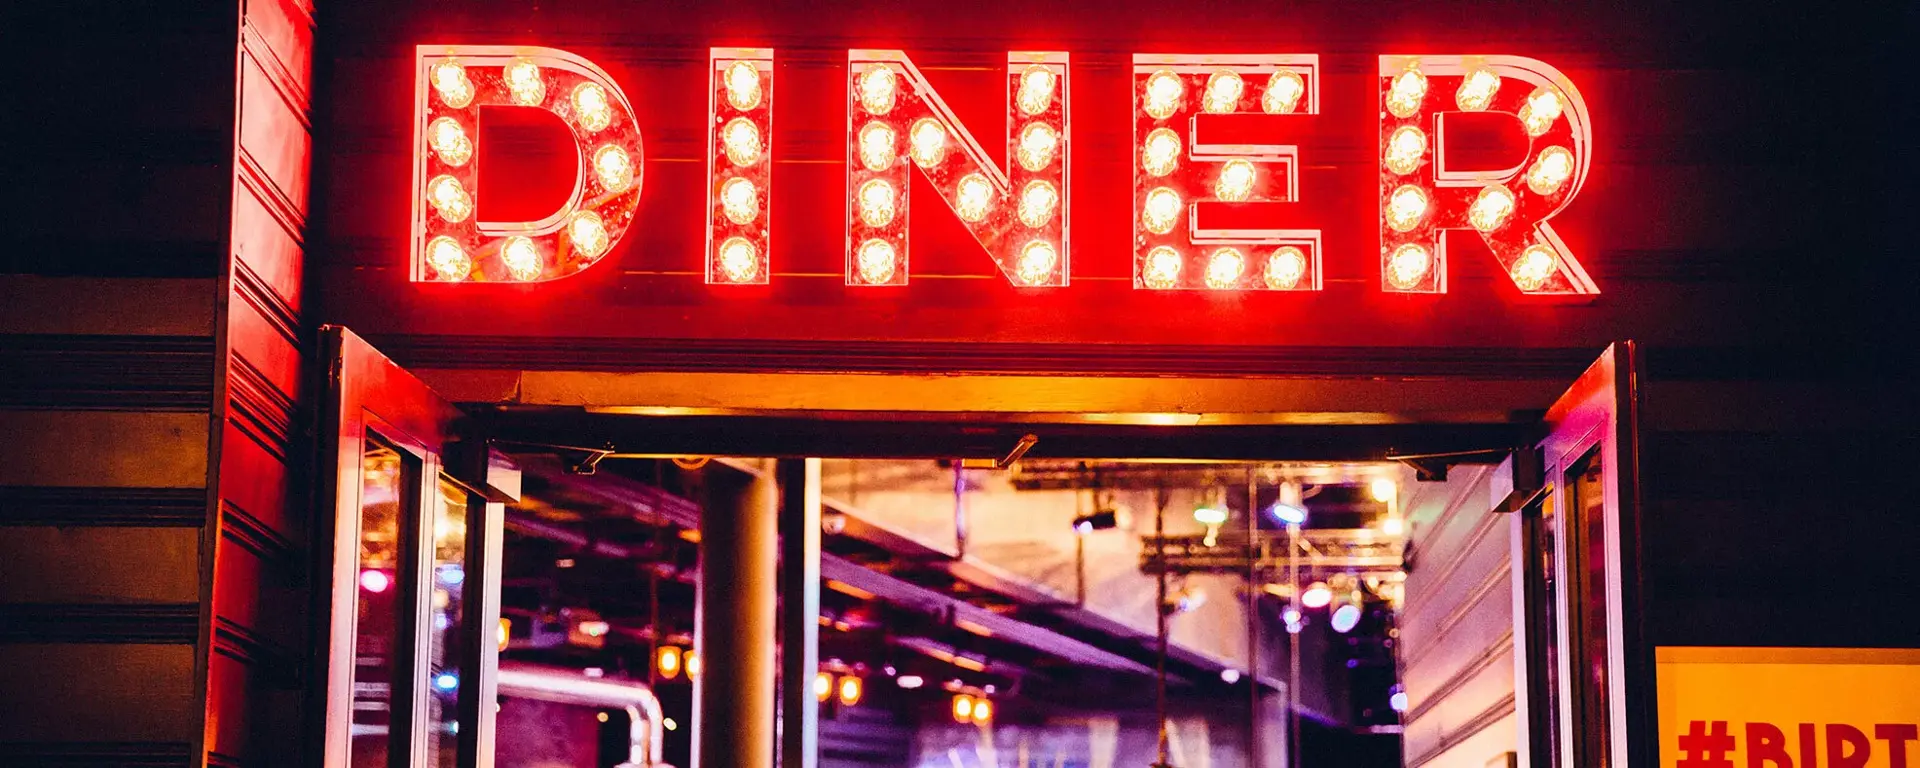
x,y
1587,500
384,482
447,670
1543,633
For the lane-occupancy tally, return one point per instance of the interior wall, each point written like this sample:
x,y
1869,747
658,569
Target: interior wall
x,y
1456,647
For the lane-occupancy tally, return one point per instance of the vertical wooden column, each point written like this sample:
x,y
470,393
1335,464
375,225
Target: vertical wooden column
x,y
738,529
799,611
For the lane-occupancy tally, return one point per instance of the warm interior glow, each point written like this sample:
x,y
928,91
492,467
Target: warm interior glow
x,y
1383,489
613,167
1163,268
693,664
667,661
448,259
588,234
929,142
1477,90
451,82
524,82
1162,210
982,710
1224,268
1163,92
876,146
1038,142
822,686
1037,261
1038,200
973,197
1408,265
962,707
522,258
1285,268
1393,526
739,200
876,261
876,203
1160,155
450,142
1491,208
1534,267
1406,147
1406,207
743,85
1408,90
741,139
878,87
851,689
449,199
1540,111
1036,90
1236,181
1550,172
1224,89
739,262
1283,93
591,107
1317,595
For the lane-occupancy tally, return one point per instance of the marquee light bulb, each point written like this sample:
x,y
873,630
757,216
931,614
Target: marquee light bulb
x,y
524,83
1491,208
743,85
878,89
1476,90
1163,92
1037,261
1162,210
1036,90
739,201
1283,93
1540,111
739,261
522,258
929,142
1285,268
1236,181
450,141
1549,173
1037,203
588,234
1408,90
591,107
449,261
1536,265
451,82
1163,268
875,259
1224,268
1408,265
1161,153
973,198
1406,207
450,199
1038,142
613,167
1224,89
876,203
876,146
741,138
1406,147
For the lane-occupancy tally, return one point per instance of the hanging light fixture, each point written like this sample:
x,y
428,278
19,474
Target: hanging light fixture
x,y
668,661
1290,508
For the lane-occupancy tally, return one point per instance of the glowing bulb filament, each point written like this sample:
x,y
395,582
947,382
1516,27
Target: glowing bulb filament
x,y
524,83
1223,92
743,85
1036,90
1163,93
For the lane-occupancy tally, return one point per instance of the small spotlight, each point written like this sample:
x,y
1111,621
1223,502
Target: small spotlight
x,y
982,710
910,682
1209,514
851,689
670,724
1345,618
1229,676
1393,526
1102,520
1316,596
375,581
1383,489
1288,513
1291,615
962,708
822,686
1398,701
668,661
446,681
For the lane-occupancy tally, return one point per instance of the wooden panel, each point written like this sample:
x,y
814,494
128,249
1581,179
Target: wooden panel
x,y
273,136
146,450
146,507
258,589
97,693
67,371
267,343
268,245
91,305
99,565
283,31
253,712
256,481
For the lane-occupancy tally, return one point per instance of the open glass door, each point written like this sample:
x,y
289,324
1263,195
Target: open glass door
x,y
411,648
1578,624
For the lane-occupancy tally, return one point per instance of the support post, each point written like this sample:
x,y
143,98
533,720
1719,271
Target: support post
x,y
799,611
736,625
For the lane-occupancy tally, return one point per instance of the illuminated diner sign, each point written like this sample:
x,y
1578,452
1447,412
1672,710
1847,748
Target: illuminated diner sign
x,y
898,125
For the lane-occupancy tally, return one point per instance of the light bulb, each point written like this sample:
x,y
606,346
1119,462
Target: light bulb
x,y
1551,171
743,85
522,258
1285,268
1383,489
1162,210
962,707
450,199
876,146
982,710
1534,267
1283,93
588,234
524,83
1406,147
1491,208
1393,526
875,261
667,661
741,139
1161,153
450,141
850,690
1223,92
739,201
973,197
1541,109
1038,142
929,142
1236,181
1317,595
1036,90
878,86
822,686
1408,265
448,260
876,203
693,666
451,82
1477,90
1408,90
1163,268
591,107
1406,207
1037,260
1037,202
1163,92
739,260
1224,268
613,167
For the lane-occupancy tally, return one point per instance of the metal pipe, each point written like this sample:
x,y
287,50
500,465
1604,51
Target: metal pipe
x,y
799,610
739,528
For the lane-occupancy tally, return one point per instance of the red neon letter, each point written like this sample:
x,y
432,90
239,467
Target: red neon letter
x,y
739,164
451,84
1173,171
895,118
1509,208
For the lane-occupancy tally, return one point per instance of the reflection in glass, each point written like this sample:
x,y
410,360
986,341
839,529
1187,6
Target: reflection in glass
x,y
1589,568
1543,633
383,484
445,670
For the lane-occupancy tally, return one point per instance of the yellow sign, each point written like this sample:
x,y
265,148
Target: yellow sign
x,y
1789,707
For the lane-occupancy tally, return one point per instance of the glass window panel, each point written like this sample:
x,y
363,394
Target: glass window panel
x,y
384,483
1586,486
1543,633
446,669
